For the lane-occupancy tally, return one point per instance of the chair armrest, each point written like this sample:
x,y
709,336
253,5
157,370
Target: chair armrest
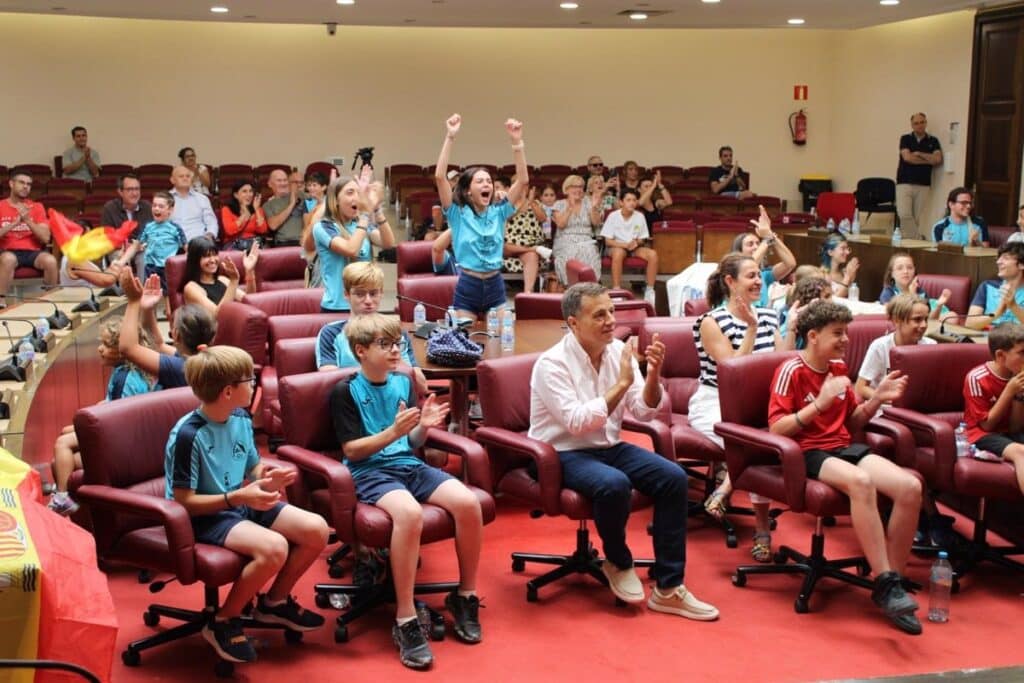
x,y
930,432
658,431
337,479
741,438
903,441
476,466
549,467
172,515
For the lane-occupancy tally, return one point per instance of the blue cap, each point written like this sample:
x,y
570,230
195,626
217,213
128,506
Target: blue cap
x,y
943,555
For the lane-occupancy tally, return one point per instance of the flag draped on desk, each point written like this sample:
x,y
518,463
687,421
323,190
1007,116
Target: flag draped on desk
x,y
54,602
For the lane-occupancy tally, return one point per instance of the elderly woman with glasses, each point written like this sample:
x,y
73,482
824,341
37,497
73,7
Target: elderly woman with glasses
x,y
575,219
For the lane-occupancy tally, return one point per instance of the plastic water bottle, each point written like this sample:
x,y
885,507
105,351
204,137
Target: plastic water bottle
x,y
419,314
42,328
492,322
855,226
508,331
941,587
339,600
26,352
854,292
897,236
844,226
963,448
449,317
831,225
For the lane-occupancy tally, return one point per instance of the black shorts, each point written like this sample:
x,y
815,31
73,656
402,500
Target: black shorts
x,y
419,480
26,257
997,443
148,270
213,529
852,454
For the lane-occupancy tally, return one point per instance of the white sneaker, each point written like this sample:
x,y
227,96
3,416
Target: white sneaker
x,y
649,295
625,584
543,252
683,603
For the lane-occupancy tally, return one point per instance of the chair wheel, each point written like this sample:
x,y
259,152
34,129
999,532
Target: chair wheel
x,y
341,634
829,521
779,558
801,606
150,618
518,564
323,601
739,580
730,541
773,524
531,594
224,669
863,569
145,576
593,552
131,658
292,637
437,631
335,571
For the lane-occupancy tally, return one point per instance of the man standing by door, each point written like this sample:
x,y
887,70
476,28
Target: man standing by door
x,y
919,152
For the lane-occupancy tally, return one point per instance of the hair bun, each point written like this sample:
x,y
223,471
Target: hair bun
x,y
202,347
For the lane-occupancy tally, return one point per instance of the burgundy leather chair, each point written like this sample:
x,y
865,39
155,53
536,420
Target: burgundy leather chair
x,y
281,268
958,285
932,407
774,466
695,307
286,302
175,272
245,327
578,271
531,471
436,292
312,445
122,445
415,259
861,332
291,357
998,234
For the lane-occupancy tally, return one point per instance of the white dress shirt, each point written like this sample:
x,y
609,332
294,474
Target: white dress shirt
x,y
194,214
567,405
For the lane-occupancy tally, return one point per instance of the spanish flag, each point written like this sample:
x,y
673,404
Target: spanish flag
x,y
80,246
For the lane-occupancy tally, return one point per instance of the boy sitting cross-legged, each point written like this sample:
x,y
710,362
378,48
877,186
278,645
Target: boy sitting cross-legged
x,y
813,403
210,453
378,425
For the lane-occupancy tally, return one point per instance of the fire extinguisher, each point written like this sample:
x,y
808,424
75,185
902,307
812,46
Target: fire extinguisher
x,y
798,127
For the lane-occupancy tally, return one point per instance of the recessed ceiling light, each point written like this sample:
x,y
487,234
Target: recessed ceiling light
x,y
710,2
346,2
219,10
409,21
569,5
637,16
888,3
795,22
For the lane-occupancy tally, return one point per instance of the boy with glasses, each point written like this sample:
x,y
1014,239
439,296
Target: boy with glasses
x,y
378,424
210,454
959,225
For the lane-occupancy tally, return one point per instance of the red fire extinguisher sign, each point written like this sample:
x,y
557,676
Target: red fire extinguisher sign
x,y
799,92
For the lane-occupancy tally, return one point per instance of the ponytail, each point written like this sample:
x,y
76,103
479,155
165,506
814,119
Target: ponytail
x,y
717,290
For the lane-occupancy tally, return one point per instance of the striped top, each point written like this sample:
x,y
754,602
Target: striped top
x,y
734,330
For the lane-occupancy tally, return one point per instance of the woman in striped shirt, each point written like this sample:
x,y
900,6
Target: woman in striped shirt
x,y
735,326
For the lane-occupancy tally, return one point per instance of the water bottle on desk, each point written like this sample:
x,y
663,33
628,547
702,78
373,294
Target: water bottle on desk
x,y
831,225
844,226
855,226
941,587
963,447
492,322
508,332
26,352
853,294
450,320
42,328
897,236
419,314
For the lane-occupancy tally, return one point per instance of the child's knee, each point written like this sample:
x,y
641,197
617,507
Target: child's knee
x,y
315,531
408,515
910,490
273,549
861,485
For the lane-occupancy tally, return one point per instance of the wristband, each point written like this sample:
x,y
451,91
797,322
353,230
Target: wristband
x,y
380,217
815,404
800,422
228,502
519,146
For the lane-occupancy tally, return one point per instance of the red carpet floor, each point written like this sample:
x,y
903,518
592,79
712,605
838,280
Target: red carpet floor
x,y
576,632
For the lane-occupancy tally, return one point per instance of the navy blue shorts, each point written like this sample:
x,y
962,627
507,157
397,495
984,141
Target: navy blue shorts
x,y
419,480
213,529
479,296
852,454
148,270
26,257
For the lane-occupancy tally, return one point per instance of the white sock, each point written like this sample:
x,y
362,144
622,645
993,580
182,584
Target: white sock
x,y
404,620
466,594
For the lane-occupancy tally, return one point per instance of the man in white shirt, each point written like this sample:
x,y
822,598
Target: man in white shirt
x,y
580,389
624,233
192,210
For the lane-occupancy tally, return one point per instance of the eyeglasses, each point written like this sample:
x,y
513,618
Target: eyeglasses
x,y
251,381
964,202
365,293
596,163
389,344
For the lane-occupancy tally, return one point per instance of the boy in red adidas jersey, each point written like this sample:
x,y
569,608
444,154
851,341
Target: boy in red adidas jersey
x,y
813,403
994,398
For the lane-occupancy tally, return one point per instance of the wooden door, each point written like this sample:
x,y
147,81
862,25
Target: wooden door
x,y
997,114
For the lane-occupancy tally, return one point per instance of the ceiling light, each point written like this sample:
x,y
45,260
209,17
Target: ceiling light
x,y
219,10
710,2
888,3
569,5
346,2
795,22
637,16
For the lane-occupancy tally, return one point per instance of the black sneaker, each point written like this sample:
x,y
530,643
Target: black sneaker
x,y
289,614
413,648
891,597
229,640
908,623
465,613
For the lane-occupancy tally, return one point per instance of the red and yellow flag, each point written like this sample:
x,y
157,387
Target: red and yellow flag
x,y
79,245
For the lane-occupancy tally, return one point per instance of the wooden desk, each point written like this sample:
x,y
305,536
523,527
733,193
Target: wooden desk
x,y
951,334
531,336
977,263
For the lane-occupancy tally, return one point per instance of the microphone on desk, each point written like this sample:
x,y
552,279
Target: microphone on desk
x,y
88,306
58,319
962,318
38,341
10,369
426,304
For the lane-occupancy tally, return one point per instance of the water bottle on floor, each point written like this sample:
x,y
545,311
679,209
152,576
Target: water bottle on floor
x,y
963,447
941,588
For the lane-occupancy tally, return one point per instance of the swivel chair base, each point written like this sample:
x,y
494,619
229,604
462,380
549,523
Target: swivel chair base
x,y
979,550
583,560
813,567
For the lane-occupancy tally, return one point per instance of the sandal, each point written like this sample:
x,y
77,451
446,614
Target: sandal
x,y
717,505
762,549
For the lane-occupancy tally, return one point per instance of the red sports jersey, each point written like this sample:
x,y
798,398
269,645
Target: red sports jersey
x,y
795,385
982,388
20,236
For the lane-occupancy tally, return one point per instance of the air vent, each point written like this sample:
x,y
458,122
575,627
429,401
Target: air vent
x,y
651,13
